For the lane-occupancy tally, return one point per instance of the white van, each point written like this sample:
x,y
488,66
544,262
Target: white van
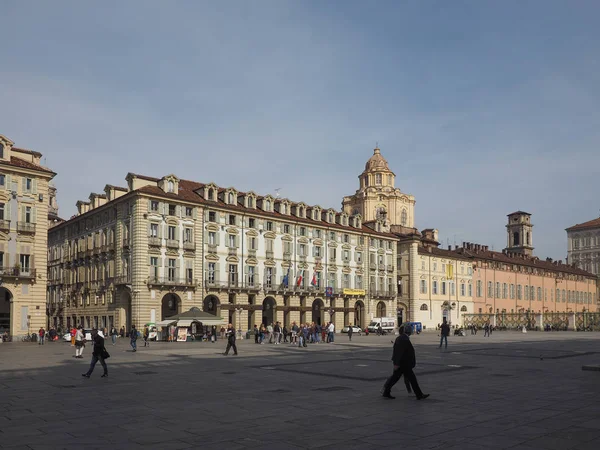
x,y
387,324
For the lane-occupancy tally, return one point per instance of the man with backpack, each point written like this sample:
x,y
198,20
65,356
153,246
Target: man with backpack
x,y
133,335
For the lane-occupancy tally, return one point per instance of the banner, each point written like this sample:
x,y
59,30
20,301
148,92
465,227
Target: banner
x,y
449,271
353,292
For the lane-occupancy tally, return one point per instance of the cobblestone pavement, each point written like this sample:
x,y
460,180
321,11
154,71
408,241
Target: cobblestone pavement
x,y
513,390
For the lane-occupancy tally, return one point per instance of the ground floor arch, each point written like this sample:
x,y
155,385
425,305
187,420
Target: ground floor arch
x,y
268,310
318,309
211,305
359,314
381,309
170,305
5,310
402,313
126,303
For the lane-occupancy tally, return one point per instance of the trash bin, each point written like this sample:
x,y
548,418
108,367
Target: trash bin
x,y
34,337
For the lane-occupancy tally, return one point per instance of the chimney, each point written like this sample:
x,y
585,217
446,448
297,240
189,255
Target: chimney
x,y
449,247
560,262
464,243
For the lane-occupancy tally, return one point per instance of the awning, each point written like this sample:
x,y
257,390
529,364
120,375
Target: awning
x,y
184,322
165,323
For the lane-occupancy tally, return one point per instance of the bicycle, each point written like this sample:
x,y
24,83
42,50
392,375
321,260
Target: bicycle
x,y
27,338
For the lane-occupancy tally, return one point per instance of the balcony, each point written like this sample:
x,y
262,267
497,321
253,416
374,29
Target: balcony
x,y
154,241
232,251
381,267
172,243
5,225
172,281
97,250
252,253
287,256
126,243
122,279
384,293
17,272
212,248
189,246
25,227
302,258
390,267
270,254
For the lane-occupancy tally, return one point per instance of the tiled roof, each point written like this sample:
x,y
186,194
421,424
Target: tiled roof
x,y
442,253
18,162
529,262
24,150
582,226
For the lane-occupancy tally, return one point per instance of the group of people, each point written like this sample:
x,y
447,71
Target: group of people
x,y
300,335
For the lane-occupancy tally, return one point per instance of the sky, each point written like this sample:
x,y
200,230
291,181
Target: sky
x,y
481,108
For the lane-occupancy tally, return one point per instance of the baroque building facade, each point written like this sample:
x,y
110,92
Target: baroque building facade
x,y
24,203
161,246
583,241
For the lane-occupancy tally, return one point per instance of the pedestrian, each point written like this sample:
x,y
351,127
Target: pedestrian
x,y
491,329
350,331
73,333
79,342
113,335
486,330
444,332
146,336
230,333
42,334
133,335
285,334
294,336
99,354
300,335
404,361
256,334
213,334
276,332
331,331
122,332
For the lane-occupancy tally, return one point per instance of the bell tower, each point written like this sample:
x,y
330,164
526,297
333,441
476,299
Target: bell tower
x,y
519,233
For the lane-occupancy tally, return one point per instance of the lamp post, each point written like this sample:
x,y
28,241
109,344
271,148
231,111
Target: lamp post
x,y
239,322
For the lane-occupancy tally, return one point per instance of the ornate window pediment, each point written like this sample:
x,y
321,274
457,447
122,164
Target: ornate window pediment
x,y
250,200
211,191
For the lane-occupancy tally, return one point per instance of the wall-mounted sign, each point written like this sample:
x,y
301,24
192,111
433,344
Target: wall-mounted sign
x,y
353,292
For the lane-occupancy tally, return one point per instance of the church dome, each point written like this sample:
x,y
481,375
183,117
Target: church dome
x,y
376,162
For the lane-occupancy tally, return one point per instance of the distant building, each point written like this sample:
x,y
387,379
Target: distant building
x,y
24,187
584,246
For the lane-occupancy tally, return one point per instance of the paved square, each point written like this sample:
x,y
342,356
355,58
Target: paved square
x,y
512,390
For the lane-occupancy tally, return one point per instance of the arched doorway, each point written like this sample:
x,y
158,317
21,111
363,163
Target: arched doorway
x,y
211,305
380,309
5,299
359,314
268,310
401,314
126,306
318,308
170,306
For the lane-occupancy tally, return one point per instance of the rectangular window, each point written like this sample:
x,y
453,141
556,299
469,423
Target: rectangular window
x,y
359,281
346,280
232,241
212,216
434,288
2,211
479,288
286,229
252,243
470,290
28,184
452,288
188,235
269,226
443,288
154,267
189,271
423,287
153,205
302,250
189,211
359,257
346,238
269,245
252,222
462,289
519,292
318,251
251,275
332,235
212,238
231,219
211,272
346,256
28,214
172,210
172,233
527,292
153,230
172,269
232,274
269,277
497,289
302,231
2,178
317,233
434,266
25,260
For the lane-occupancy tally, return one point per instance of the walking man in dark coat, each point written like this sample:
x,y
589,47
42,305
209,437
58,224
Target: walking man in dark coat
x,y
404,361
350,331
99,354
230,333
444,331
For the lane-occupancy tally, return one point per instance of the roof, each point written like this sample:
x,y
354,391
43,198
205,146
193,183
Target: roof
x,y
376,163
31,152
21,163
595,223
518,213
116,188
195,313
525,261
442,253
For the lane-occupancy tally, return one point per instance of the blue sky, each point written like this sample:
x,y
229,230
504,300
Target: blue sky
x,y
481,108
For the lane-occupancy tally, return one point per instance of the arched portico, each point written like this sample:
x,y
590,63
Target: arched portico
x,y
5,310
381,309
402,313
318,308
268,310
170,306
359,314
211,305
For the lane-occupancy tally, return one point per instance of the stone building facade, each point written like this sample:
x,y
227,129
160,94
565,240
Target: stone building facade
x,y
584,246
161,246
23,239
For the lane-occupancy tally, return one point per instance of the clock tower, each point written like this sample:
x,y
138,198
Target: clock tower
x,y
519,233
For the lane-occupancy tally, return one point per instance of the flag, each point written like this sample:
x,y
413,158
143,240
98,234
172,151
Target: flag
x,y
286,278
314,279
299,282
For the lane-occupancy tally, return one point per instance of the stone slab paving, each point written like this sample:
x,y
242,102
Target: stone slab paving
x,y
512,390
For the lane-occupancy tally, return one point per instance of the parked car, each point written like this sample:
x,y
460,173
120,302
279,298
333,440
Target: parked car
x,y
87,332
355,329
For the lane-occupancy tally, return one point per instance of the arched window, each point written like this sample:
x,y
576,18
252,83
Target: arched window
x,y
330,217
463,309
211,194
1,150
268,205
381,310
424,307
516,240
171,186
366,180
283,208
404,218
390,180
527,238
378,179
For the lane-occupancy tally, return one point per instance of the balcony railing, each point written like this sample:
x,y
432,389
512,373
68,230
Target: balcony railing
x,y
17,272
172,243
232,251
5,225
212,248
126,242
214,284
189,246
173,281
154,241
270,254
287,256
252,253
25,227
384,293
390,267
122,279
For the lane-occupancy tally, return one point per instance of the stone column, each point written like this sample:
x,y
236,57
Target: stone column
x,y
572,326
413,280
539,320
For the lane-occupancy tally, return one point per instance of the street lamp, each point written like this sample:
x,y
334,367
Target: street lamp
x,y
239,322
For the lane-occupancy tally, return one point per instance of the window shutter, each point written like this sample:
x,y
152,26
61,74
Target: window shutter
x,y
177,268
23,185
7,211
7,184
194,213
217,273
149,229
33,214
34,186
149,205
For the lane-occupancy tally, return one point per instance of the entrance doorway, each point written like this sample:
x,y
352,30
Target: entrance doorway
x,y
359,314
170,305
268,313
211,305
380,309
318,308
5,299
